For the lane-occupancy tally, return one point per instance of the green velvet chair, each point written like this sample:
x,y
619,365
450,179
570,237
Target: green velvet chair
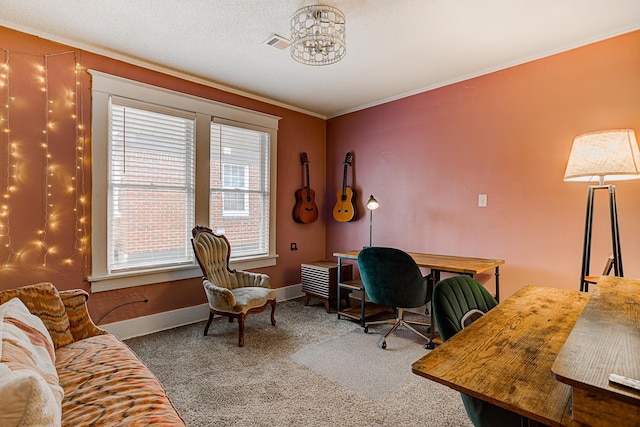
x,y
453,299
390,277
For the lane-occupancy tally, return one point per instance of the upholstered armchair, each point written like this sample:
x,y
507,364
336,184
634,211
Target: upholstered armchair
x,y
231,293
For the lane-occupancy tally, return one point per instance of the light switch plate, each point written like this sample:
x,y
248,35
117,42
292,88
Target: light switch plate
x,y
482,200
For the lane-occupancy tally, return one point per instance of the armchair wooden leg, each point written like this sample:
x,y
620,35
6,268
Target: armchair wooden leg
x,y
273,311
206,328
241,331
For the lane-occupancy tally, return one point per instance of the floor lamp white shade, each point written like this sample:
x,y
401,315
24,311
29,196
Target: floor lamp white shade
x,y
598,157
610,155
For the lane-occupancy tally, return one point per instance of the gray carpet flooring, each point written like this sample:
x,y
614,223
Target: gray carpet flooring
x,y
312,369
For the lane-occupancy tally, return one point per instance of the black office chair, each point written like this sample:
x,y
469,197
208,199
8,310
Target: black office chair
x,y
457,302
392,278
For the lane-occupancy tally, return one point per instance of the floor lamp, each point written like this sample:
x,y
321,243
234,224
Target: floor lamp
x,y
372,205
610,155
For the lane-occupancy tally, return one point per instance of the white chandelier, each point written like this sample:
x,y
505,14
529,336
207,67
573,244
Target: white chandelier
x,y
318,35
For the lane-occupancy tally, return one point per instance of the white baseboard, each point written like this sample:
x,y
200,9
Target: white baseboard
x,y
289,292
184,316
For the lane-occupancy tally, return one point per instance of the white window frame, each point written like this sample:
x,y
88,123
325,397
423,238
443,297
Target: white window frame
x,y
103,87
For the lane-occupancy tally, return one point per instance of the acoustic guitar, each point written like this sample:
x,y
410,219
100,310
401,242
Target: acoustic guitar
x,y
305,211
344,211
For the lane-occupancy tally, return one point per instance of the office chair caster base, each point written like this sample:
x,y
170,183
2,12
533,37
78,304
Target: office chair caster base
x,y
366,329
383,345
430,345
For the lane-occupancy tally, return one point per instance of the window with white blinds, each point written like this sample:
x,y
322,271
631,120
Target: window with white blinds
x,y
151,192
239,188
164,162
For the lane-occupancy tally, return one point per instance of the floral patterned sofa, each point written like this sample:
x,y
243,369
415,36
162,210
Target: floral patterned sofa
x,y
58,368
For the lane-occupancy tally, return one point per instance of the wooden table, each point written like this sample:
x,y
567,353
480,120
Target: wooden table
x,y
436,264
505,357
604,340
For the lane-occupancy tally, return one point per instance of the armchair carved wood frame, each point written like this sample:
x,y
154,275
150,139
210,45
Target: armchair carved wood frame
x,y
231,293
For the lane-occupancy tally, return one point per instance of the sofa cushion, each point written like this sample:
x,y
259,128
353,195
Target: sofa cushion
x,y
106,384
75,304
43,300
27,399
29,389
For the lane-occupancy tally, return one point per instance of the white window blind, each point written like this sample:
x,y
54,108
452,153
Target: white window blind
x,y
239,183
151,186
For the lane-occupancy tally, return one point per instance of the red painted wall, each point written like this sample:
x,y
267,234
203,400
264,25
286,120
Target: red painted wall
x,y
425,158
27,191
508,135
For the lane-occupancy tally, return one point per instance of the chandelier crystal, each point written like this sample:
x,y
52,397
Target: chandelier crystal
x,y
318,35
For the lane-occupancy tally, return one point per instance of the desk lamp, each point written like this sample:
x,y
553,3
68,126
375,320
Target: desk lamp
x,y
372,205
610,155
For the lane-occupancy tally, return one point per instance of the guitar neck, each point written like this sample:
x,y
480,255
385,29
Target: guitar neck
x,y
344,183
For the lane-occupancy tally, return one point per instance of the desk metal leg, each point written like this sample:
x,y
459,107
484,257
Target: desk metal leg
x,y
498,284
339,290
435,278
362,303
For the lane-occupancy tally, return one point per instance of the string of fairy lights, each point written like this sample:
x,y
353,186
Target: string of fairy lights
x,y
54,211
11,156
80,226
47,205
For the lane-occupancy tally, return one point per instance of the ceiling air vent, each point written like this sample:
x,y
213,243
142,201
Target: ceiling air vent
x,y
278,42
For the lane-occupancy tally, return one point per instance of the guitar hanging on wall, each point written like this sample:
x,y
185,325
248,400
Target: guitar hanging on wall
x,y
344,211
305,211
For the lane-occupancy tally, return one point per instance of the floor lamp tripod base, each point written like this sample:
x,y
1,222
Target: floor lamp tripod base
x,y
615,234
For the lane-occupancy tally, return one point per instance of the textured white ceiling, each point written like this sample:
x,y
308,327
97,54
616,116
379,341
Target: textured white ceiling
x,y
394,47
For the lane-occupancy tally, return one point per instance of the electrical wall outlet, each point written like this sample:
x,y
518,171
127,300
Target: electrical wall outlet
x,y
294,246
